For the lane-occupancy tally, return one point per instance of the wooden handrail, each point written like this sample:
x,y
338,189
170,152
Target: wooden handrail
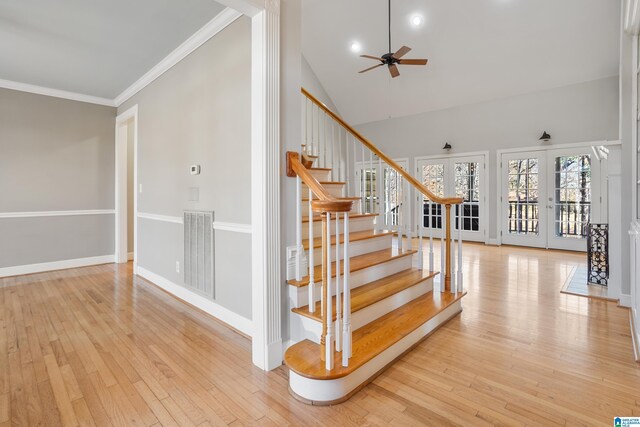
x,y
326,202
424,190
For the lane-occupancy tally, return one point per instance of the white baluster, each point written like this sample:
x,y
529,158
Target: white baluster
x,y
459,282
299,248
399,208
431,257
442,246
312,285
420,220
346,324
408,220
363,192
329,302
372,208
380,220
453,250
338,290
347,165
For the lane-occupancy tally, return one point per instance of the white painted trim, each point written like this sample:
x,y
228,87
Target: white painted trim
x,y
223,314
449,155
213,27
549,147
130,256
266,152
492,242
56,93
624,300
231,226
635,333
121,190
249,8
55,265
217,225
163,218
36,214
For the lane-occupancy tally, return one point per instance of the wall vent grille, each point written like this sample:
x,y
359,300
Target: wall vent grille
x,y
198,252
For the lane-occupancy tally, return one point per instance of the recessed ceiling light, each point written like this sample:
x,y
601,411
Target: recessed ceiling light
x,y
416,20
356,47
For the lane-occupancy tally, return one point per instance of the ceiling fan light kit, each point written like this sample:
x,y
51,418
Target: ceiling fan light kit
x,y
392,60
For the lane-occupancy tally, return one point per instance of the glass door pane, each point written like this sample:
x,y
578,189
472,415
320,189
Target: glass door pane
x,y
467,186
572,201
433,177
523,196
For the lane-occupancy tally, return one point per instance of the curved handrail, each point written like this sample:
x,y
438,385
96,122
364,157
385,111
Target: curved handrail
x,y
424,190
326,202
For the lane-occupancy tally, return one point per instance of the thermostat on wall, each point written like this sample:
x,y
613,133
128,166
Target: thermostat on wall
x,y
195,169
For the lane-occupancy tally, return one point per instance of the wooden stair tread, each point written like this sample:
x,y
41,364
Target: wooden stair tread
x,y
354,236
372,339
317,218
371,293
357,263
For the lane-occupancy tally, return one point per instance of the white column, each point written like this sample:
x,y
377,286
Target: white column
x,y
453,248
311,261
329,302
346,324
442,245
265,187
338,290
459,278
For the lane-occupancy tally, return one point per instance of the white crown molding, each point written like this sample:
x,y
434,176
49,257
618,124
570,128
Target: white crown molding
x,y
36,214
213,27
55,265
56,93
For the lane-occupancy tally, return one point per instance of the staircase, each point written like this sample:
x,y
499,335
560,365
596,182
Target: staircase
x,y
364,298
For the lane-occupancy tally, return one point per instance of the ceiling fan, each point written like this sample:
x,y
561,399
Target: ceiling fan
x,y
392,60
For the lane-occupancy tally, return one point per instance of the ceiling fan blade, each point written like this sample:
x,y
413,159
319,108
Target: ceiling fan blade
x,y
401,52
370,68
394,70
371,57
413,61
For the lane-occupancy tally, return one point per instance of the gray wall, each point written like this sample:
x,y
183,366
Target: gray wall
x,y
130,183
312,84
626,122
55,155
576,113
198,112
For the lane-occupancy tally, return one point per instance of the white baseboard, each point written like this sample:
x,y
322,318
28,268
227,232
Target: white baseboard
x,y
130,256
55,265
625,300
492,242
225,315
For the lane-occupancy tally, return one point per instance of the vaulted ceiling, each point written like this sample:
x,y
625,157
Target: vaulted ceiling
x,y
478,50
96,48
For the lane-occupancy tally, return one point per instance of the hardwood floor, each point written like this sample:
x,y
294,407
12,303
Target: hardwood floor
x,y
96,346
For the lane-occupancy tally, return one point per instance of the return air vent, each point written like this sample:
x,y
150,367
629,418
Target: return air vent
x,y
198,251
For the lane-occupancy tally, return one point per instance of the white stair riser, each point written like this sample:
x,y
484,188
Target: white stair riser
x,y
321,175
356,209
336,190
359,247
355,224
312,329
326,391
300,296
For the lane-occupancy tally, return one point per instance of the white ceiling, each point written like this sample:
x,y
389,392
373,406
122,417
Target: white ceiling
x,y
96,48
478,50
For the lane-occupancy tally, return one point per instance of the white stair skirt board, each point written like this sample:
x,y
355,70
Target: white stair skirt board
x,y
227,316
358,247
333,391
355,224
336,190
55,265
312,329
300,295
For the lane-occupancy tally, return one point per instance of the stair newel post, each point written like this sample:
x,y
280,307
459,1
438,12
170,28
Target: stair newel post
x,y
443,256
346,324
338,290
447,251
429,209
311,261
299,247
459,278
328,300
454,217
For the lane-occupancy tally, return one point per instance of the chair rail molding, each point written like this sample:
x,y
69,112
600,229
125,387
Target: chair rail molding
x,y
35,214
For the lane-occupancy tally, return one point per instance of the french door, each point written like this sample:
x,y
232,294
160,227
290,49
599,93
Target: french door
x,y
382,196
549,197
460,176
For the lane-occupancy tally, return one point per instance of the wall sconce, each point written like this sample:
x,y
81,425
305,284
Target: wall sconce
x,y
447,147
545,137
